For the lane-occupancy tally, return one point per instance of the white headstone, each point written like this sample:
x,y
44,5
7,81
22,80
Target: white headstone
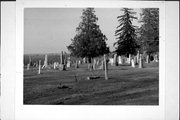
x,y
156,58
54,65
79,62
46,61
119,60
28,65
111,61
94,64
68,64
140,61
105,67
84,60
129,59
39,70
132,63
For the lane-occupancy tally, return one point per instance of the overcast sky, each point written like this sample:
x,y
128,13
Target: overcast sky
x,y
49,30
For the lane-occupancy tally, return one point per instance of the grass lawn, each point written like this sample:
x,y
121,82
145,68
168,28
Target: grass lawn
x,y
126,86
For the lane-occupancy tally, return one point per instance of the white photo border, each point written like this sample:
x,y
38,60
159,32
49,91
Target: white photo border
x,y
56,112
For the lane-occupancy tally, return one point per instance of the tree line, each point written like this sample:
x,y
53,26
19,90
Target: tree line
x,y
90,42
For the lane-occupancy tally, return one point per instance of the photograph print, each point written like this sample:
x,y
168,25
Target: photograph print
x,y
91,56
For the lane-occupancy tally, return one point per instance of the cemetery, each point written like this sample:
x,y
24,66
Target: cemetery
x,y
121,81
87,71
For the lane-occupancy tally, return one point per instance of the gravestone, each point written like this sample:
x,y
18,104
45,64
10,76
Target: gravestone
x,y
147,59
140,61
129,59
46,61
62,67
119,60
39,70
132,63
105,68
156,58
68,64
30,61
55,65
137,57
111,61
94,64
84,60
45,65
28,66
79,62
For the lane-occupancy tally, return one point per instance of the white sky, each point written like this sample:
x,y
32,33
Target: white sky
x,y
49,30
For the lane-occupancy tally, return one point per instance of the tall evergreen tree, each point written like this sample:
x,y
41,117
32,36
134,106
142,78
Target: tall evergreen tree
x,y
149,30
126,34
89,41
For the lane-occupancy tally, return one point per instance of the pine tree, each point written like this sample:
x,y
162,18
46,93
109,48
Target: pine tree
x,y
89,41
126,33
149,30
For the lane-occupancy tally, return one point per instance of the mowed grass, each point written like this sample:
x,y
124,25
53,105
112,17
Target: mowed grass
x,y
126,86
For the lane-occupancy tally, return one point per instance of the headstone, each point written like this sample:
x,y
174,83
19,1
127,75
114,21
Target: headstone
x,y
79,62
39,70
115,59
46,61
132,63
68,64
28,65
94,64
30,61
147,59
111,61
140,61
55,65
156,58
62,67
84,60
119,60
105,67
137,57
129,59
